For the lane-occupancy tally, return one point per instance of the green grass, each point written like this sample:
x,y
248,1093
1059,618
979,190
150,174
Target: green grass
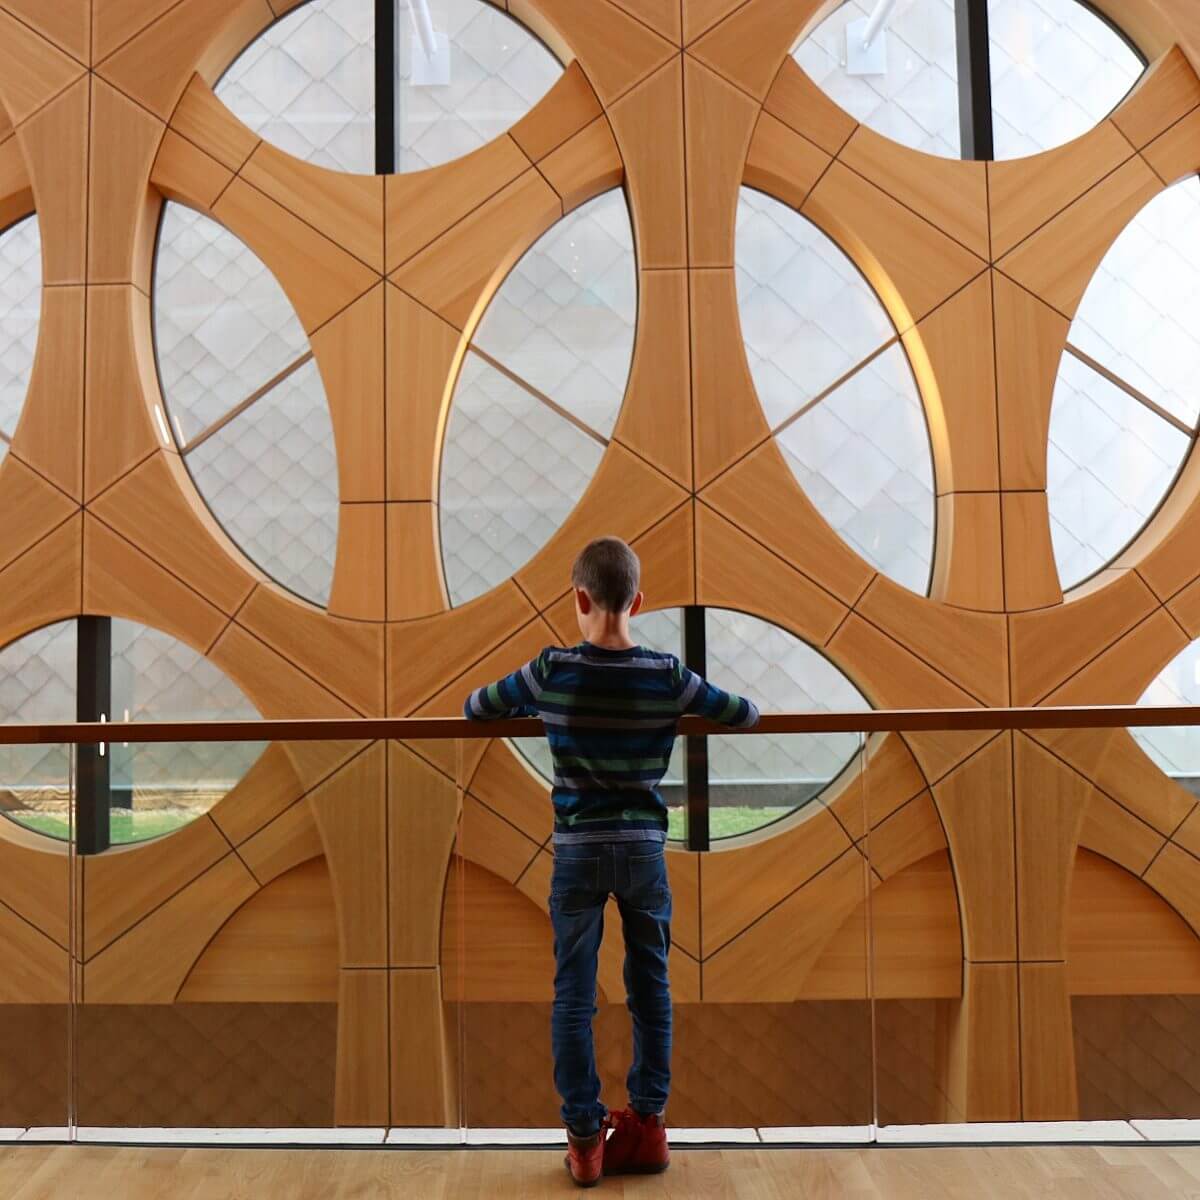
x,y
725,822
126,826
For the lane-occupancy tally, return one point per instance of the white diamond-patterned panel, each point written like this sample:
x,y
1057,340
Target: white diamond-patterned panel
x,y
512,471
1175,749
862,456
780,673
37,685
270,478
915,101
497,72
223,326
307,85
564,318
1140,316
156,677
662,631
1111,460
1057,71
808,316
20,312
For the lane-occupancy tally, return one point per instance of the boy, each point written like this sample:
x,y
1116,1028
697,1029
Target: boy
x,y
610,709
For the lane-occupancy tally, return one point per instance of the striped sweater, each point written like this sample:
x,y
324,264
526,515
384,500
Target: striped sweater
x,y
610,718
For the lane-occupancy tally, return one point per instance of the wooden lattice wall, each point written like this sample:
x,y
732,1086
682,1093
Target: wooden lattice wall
x,y
106,107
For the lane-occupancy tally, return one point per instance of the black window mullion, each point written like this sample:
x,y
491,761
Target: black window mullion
x,y
695,657
93,702
385,87
974,79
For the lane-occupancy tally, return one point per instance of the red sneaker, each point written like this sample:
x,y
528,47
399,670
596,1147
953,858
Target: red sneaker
x,y
585,1158
637,1145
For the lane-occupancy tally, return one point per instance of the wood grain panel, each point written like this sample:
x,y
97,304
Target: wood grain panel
x,y
283,845
205,121
54,143
1048,1087
362,1085
615,50
414,586
663,16
566,108
279,947
1123,939
32,70
319,277
127,884
16,189
423,654
655,420
1026,193
1168,91
120,581
1114,832
668,555
727,419
35,881
350,354
359,588
701,15
67,23
954,362
779,866
156,507
584,166
648,123
116,21
456,275
43,584
718,124
800,104
420,206
182,171
748,495
1050,803
422,1084
782,163
1030,568
911,264
909,835
1172,155
976,807
31,508
968,560
510,787
732,571
346,208
122,211
751,42
150,963
1058,262
491,842
37,970
121,386
351,813
950,193
980,1038
346,655
423,809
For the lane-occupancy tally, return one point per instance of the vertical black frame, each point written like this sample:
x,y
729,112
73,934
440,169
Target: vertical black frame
x,y
974,79
385,87
93,702
695,774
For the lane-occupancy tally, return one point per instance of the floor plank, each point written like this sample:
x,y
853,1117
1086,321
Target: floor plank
x,y
946,1173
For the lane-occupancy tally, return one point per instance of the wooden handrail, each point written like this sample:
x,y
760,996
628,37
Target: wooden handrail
x,y
369,729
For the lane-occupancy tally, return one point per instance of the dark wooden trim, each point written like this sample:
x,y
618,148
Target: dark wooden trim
x,y
369,729
974,80
695,771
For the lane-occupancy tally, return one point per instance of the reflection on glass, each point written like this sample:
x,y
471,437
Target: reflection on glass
x,y
20,312
538,396
859,447
1057,70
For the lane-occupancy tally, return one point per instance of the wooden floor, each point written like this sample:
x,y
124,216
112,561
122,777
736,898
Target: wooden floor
x,y
1045,1172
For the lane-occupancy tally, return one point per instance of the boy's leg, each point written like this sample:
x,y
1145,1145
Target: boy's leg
x,y
577,915
646,918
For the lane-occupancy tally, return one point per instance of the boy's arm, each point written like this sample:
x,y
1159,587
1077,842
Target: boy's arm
x,y
515,695
701,698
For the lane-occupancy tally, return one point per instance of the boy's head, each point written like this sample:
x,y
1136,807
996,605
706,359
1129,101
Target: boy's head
x,y
606,577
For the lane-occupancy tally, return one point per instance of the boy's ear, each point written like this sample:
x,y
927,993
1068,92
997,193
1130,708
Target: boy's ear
x,y
583,601
636,606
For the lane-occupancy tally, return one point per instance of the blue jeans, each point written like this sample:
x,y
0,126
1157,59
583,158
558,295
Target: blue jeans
x,y
584,876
